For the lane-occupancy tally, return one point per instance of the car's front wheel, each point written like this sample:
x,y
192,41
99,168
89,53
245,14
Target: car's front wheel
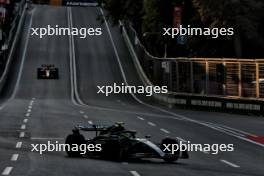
x,y
169,156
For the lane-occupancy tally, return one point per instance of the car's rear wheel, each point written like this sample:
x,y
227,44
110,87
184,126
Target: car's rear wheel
x,y
169,156
74,140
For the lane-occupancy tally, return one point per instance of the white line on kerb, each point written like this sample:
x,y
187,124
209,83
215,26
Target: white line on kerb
x,y
7,171
151,124
90,122
18,144
22,134
134,173
23,127
25,120
165,131
229,163
140,118
14,157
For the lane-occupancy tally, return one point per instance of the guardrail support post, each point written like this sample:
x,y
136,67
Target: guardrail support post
x,y
177,76
206,77
224,79
257,80
239,80
191,76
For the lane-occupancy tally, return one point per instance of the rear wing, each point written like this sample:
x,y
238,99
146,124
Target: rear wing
x,y
91,127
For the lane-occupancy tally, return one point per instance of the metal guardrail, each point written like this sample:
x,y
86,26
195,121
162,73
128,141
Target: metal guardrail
x,y
12,40
212,77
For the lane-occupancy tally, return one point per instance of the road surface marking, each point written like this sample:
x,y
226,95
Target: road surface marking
x,y
85,116
29,110
47,138
151,124
29,107
134,173
25,120
7,170
18,144
140,118
229,163
27,114
125,163
14,157
81,112
180,139
23,127
165,131
22,134
90,122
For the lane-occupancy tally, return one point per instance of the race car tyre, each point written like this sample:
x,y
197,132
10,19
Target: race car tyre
x,y
169,157
74,140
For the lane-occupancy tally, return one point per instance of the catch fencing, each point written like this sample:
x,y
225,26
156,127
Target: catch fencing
x,y
207,77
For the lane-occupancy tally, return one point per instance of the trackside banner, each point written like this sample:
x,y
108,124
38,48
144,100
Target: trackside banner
x,y
80,2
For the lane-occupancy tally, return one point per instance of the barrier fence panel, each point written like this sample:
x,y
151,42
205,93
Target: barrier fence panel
x,y
237,78
261,80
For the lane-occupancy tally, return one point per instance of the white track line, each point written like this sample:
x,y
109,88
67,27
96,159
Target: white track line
x,y
23,127
134,173
14,157
151,124
18,144
229,163
140,118
7,170
22,134
165,131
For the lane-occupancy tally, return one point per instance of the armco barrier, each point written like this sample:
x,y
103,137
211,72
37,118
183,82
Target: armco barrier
x,y
16,31
191,100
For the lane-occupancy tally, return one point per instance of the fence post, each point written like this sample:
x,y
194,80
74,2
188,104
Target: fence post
x,y
257,80
191,75
206,77
239,80
177,76
224,79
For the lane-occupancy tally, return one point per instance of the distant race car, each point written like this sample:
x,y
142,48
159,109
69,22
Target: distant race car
x,y
48,71
120,144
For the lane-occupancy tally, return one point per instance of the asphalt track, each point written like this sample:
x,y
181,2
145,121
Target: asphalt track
x,y
35,111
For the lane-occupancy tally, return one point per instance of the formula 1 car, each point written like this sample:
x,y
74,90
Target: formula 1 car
x,y
48,72
120,144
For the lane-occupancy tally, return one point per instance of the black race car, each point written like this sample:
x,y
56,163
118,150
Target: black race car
x,y
48,71
120,144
